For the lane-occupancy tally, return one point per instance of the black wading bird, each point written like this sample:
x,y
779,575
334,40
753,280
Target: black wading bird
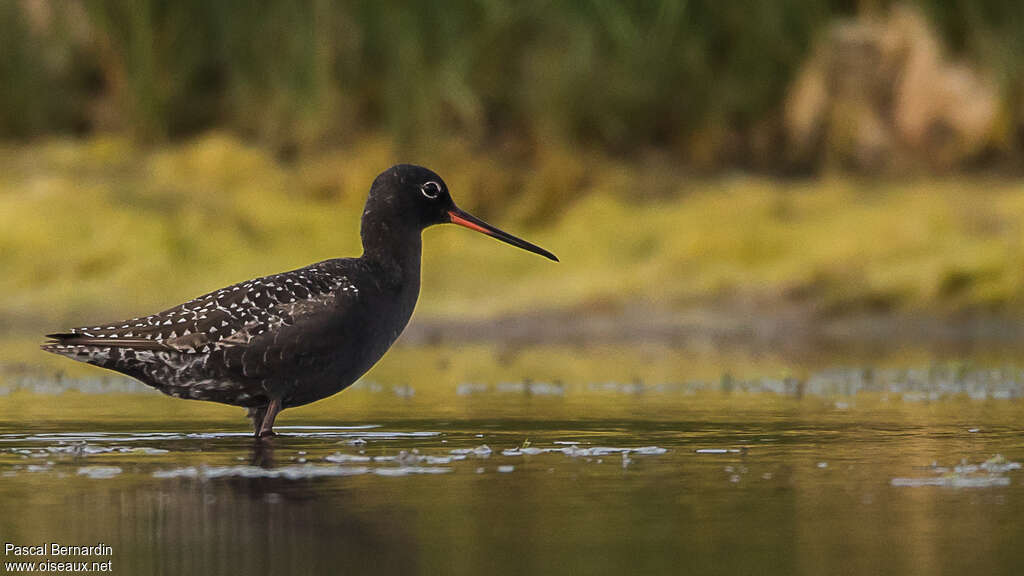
x,y
292,338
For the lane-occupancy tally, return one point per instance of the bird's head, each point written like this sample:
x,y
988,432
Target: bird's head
x,y
414,198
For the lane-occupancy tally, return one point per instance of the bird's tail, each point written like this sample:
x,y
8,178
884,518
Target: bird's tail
x,y
77,347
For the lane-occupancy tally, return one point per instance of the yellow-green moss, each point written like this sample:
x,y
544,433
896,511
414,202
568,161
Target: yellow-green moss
x,y
96,230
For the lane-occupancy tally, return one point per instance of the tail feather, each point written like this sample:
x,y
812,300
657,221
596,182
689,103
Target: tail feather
x,y
62,338
120,356
64,344
65,339
91,350
91,354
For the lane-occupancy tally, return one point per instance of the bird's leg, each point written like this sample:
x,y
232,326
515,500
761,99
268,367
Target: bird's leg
x,y
267,427
256,414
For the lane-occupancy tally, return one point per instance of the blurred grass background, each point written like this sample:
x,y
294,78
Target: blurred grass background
x,y
842,158
706,82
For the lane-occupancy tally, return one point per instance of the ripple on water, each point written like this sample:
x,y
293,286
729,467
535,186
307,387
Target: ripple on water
x,y
410,470
987,474
341,458
355,434
481,451
67,449
286,472
413,456
99,471
953,482
311,427
302,472
86,437
575,451
82,449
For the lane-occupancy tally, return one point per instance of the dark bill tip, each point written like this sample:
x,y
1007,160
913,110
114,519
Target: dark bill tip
x,y
473,223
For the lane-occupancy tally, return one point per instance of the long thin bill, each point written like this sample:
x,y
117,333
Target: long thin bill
x,y
473,223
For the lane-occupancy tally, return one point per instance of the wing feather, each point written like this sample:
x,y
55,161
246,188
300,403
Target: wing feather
x,y
233,317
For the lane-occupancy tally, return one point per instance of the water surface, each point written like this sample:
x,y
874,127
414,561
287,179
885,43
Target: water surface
x,y
764,477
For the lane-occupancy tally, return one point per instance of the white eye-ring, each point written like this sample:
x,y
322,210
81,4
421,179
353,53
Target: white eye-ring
x,y
431,190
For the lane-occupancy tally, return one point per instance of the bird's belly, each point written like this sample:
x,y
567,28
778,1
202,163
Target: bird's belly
x,y
329,378
345,358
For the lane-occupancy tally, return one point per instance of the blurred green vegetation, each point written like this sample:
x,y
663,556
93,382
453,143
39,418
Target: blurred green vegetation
x,y
98,229
704,80
151,151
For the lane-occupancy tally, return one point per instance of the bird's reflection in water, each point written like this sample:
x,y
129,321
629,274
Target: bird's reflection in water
x,y
250,524
262,454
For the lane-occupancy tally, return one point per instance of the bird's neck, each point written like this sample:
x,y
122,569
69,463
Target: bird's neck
x,y
396,250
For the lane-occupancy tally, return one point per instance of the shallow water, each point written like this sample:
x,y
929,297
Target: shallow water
x,y
595,478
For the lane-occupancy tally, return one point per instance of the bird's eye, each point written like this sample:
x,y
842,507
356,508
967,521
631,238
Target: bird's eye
x,y
431,190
